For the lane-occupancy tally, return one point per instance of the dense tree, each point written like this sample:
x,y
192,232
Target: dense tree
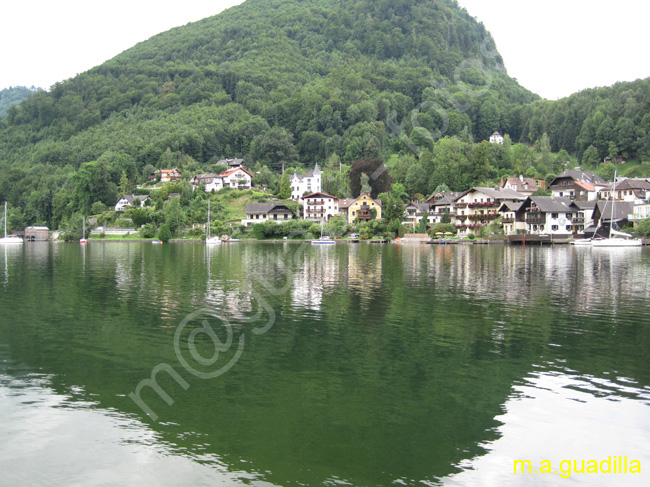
x,y
379,177
284,190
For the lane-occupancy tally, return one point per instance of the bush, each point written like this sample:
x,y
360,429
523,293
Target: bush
x,y
471,236
148,231
643,228
165,233
195,232
442,228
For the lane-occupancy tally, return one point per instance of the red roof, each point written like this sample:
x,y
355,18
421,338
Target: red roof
x,y
233,170
322,195
585,185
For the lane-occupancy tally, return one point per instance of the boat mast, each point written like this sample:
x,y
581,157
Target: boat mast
x,y
207,230
611,218
5,219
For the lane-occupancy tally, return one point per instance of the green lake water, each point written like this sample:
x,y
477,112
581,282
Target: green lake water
x,y
291,365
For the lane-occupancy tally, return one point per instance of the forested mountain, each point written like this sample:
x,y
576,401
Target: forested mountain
x,y
614,120
12,96
286,82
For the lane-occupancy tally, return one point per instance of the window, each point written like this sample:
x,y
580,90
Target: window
x,y
554,215
554,228
568,228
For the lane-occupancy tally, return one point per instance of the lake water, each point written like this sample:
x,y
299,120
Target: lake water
x,y
291,365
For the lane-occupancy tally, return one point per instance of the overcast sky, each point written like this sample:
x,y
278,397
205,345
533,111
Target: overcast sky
x,y
553,47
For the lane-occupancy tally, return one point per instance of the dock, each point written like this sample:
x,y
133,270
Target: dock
x,y
538,239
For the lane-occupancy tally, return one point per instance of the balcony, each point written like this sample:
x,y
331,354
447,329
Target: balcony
x,y
535,219
507,220
461,205
315,203
484,216
483,204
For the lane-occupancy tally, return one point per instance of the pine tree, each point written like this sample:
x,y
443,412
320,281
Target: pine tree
x,y
285,187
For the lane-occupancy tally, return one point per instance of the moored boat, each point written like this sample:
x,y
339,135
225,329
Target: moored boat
x,y
8,239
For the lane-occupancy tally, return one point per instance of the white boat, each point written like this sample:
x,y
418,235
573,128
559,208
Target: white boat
x,y
208,239
8,239
323,240
616,238
83,232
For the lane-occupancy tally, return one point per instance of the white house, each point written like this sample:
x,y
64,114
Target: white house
x,y
310,182
546,215
210,182
166,175
262,212
127,200
319,206
479,206
414,212
512,217
236,177
496,138
630,190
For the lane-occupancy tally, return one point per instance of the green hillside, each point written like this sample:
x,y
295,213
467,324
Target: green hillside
x,y
13,96
290,83
614,120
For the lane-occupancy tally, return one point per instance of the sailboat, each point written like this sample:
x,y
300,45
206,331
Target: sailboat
x,y
323,240
83,232
8,239
624,240
208,239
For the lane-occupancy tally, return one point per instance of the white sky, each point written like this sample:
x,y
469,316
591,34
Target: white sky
x,y
553,47
558,47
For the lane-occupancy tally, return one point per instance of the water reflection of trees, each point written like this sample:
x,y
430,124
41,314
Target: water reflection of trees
x,y
385,363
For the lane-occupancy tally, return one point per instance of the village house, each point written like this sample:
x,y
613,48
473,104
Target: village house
x,y
360,208
525,186
615,160
478,206
128,200
586,218
578,185
603,217
546,215
166,175
513,218
236,177
628,190
442,203
319,207
210,182
231,163
262,212
496,138
641,212
414,212
307,183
